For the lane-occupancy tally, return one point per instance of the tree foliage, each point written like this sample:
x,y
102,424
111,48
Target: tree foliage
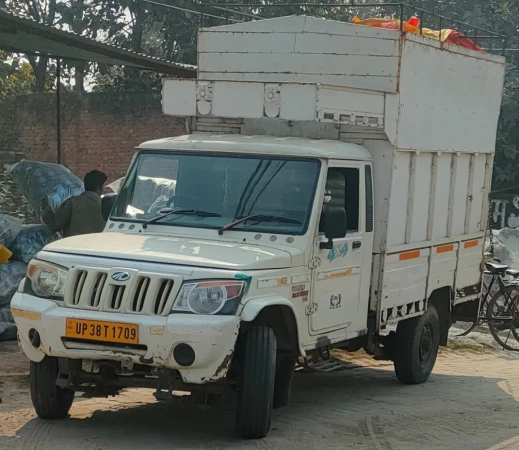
x,y
171,33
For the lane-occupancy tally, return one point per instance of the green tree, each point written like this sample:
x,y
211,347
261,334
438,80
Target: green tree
x,y
16,77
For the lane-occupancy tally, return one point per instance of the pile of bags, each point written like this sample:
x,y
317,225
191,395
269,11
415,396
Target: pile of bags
x,y
18,245
45,184
42,184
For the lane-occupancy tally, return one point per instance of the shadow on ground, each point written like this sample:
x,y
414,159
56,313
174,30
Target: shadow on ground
x,y
363,408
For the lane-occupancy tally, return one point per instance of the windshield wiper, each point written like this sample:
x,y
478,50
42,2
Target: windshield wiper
x,y
259,218
190,212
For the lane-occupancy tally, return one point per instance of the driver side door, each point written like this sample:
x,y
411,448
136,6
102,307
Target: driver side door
x,y
337,280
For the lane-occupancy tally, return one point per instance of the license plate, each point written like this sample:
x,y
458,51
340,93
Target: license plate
x,y
96,330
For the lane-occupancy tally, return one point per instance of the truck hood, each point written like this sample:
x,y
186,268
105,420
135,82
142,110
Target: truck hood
x,y
174,250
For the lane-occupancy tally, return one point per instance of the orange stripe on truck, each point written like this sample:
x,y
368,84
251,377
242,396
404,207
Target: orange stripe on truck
x,y
409,255
445,248
470,244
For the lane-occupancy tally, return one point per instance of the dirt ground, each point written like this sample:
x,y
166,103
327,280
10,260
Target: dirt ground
x,y
470,402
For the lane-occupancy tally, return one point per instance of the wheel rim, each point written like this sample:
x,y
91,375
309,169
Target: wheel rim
x,y
426,345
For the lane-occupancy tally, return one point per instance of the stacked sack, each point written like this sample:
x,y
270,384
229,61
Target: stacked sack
x,y
42,184
18,245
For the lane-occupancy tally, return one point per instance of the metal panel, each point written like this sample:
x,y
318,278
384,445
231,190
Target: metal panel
x,y
301,49
459,193
437,89
179,97
298,102
405,278
399,196
305,24
344,45
332,99
443,261
441,196
382,153
299,63
477,195
469,263
210,41
421,196
238,99
375,83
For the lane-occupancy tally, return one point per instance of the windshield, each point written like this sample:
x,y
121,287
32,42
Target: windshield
x,y
218,189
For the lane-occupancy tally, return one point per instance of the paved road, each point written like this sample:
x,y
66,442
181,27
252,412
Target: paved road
x,y
471,402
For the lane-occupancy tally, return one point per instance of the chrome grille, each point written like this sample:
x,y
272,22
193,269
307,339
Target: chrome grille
x,y
116,294
162,296
143,293
79,283
140,294
99,285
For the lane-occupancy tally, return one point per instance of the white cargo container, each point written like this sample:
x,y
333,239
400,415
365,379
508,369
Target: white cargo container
x,y
370,155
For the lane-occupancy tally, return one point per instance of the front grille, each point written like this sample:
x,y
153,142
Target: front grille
x,y
99,284
163,295
140,294
116,296
79,283
94,289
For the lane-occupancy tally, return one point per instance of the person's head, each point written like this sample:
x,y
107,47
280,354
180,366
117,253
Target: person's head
x,y
94,181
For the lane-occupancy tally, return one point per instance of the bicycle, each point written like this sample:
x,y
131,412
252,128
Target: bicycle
x,y
499,309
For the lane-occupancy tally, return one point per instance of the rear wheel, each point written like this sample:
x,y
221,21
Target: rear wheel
x,y
49,400
256,383
416,347
501,317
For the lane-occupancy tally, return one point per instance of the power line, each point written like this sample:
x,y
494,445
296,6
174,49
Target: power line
x,y
192,11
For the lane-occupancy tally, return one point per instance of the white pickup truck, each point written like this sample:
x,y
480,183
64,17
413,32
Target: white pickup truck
x,y
332,193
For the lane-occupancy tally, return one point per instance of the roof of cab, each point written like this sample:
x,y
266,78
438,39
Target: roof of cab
x,y
263,145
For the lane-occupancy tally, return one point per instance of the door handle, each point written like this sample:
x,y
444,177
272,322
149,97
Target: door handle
x,y
356,245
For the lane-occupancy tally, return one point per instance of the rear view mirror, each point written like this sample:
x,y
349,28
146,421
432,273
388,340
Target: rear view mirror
x,y
334,224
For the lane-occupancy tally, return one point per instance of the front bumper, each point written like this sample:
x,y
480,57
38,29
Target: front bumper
x,y
212,338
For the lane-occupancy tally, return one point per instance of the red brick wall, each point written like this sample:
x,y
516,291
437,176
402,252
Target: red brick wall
x,y
99,131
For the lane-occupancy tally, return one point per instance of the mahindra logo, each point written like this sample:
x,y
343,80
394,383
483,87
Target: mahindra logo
x,y
121,276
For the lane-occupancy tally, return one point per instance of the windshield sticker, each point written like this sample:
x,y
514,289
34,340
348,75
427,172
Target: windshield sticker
x,y
338,252
335,301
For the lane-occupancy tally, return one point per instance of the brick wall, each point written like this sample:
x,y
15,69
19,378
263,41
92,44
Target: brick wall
x,y
99,131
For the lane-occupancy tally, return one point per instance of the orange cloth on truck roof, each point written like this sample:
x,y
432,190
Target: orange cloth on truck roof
x,y
413,26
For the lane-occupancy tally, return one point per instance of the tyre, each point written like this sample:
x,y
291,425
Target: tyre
x,y
49,400
416,347
501,320
256,383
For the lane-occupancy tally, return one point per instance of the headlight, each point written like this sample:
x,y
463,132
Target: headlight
x,y
46,280
209,297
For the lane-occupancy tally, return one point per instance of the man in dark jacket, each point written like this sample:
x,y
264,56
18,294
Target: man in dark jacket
x,y
81,214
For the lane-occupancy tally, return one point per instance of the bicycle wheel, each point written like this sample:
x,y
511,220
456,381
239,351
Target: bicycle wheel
x,y
500,313
515,315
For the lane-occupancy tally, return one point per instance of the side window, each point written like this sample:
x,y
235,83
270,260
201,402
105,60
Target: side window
x,y
342,189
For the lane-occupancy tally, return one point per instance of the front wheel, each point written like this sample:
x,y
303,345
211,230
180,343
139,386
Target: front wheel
x,y
416,347
49,400
256,383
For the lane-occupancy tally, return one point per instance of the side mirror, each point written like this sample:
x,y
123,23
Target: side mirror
x,y
334,224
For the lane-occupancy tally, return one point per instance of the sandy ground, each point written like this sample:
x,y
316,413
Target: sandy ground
x,y
470,402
